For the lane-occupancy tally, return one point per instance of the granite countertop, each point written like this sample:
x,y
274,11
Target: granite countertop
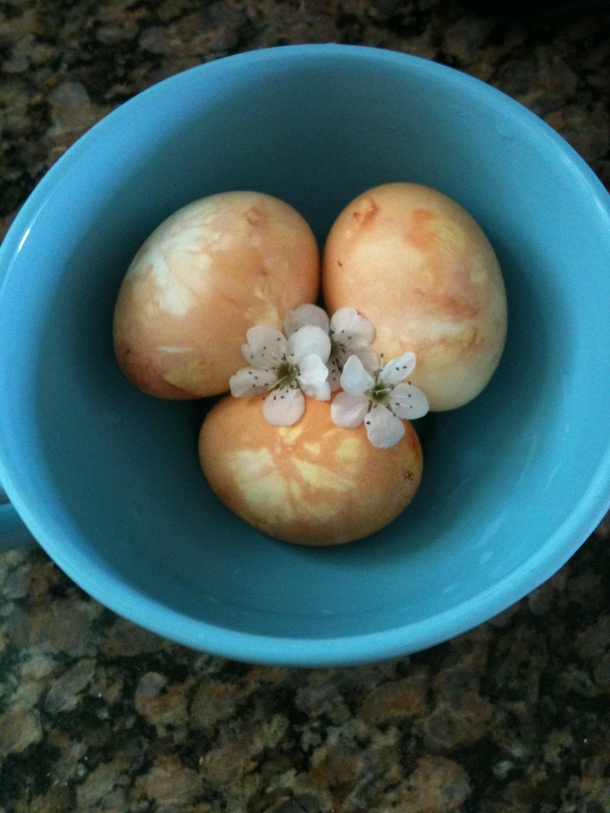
x,y
97,714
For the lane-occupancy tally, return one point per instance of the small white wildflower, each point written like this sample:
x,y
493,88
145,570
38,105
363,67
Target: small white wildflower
x,y
286,369
380,400
350,335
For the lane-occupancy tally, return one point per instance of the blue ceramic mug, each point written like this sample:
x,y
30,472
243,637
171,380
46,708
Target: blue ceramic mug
x,y
107,479
13,533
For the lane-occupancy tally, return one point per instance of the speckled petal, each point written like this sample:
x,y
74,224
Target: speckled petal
x,y
408,401
382,428
334,375
284,407
349,327
250,381
266,347
398,369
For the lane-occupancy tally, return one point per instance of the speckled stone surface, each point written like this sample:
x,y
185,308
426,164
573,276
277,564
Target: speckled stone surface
x,y
96,714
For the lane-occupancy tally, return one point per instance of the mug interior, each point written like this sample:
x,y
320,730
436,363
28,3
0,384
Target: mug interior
x,y
108,478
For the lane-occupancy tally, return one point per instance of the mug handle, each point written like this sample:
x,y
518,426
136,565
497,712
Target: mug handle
x,y
13,533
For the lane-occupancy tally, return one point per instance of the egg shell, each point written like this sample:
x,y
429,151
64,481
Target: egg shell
x,y
419,267
312,483
208,273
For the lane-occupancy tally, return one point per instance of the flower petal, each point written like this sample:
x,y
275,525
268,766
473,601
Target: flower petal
x,y
284,407
382,428
313,377
305,315
398,369
368,357
408,401
322,393
250,381
348,411
354,378
307,340
349,327
266,347
334,375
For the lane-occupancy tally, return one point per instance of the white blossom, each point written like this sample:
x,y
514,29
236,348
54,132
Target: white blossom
x,y
350,335
380,400
287,369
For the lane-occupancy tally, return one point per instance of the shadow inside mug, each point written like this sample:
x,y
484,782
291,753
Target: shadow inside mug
x,y
156,522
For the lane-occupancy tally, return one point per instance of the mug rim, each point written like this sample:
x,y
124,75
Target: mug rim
x,y
122,598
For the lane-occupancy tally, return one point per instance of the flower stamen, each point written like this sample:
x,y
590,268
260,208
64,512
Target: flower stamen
x,y
380,392
286,373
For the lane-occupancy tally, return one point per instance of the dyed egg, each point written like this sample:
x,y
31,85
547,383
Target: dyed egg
x,y
208,273
420,269
312,483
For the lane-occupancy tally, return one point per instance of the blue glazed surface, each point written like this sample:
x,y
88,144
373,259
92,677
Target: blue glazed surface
x,y
107,478
13,533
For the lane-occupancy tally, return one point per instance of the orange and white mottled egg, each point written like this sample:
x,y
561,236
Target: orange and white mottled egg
x,y
312,483
208,273
418,266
